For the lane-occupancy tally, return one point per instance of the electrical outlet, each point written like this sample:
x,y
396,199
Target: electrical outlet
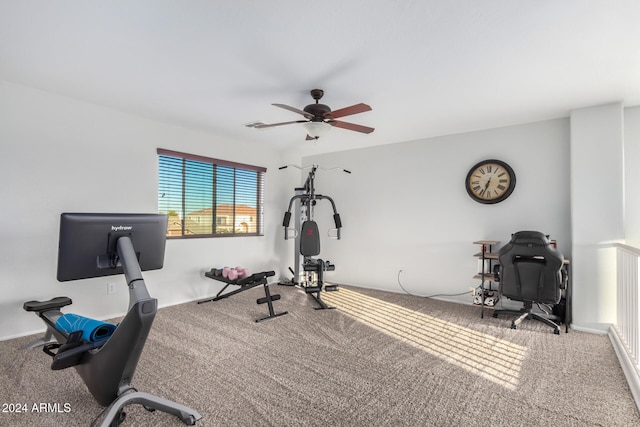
x,y
111,288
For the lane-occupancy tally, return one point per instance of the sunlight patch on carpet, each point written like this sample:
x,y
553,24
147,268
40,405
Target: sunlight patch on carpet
x,y
492,358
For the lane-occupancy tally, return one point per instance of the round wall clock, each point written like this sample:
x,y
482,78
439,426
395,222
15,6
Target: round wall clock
x,y
490,181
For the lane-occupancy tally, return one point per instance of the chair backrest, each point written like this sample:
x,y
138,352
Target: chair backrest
x,y
530,268
309,239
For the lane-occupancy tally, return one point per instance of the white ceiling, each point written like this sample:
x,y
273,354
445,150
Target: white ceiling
x,y
426,67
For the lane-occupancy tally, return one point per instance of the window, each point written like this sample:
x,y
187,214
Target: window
x,y
206,197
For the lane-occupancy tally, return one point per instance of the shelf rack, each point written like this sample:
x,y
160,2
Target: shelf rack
x,y
486,272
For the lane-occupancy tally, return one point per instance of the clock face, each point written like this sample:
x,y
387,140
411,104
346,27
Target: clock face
x,y
490,181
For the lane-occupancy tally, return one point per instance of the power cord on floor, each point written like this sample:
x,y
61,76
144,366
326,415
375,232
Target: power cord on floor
x,y
427,296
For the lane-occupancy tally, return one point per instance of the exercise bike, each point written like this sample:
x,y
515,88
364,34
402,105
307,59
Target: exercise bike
x,y
94,245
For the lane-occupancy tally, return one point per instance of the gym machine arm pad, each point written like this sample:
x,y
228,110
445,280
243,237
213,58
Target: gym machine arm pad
x,y
336,219
287,219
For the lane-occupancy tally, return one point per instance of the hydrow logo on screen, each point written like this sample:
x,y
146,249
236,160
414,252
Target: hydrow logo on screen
x,y
121,227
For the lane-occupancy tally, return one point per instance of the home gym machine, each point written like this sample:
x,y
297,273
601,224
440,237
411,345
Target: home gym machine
x,y
105,355
308,272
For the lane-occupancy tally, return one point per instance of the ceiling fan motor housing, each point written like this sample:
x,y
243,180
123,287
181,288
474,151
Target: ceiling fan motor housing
x,y
318,111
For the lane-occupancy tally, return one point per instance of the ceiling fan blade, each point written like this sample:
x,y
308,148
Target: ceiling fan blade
x,y
270,125
351,126
347,111
295,110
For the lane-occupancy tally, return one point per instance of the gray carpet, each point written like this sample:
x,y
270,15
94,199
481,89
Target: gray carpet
x,y
379,359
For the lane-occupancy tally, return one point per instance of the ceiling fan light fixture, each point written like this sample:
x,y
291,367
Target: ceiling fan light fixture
x,y
317,129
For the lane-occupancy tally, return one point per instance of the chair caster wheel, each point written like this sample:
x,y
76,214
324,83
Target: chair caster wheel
x,y
495,315
513,326
556,331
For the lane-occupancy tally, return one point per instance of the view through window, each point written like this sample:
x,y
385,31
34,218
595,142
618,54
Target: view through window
x,y
205,197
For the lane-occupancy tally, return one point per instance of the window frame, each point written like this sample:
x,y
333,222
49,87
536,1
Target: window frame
x,y
259,189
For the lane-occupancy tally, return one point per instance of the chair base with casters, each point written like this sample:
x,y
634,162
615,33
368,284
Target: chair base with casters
x,y
527,313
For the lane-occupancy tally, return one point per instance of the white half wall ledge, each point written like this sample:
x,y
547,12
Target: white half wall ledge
x,y
630,369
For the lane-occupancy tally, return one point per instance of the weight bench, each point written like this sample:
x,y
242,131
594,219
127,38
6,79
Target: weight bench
x,y
245,284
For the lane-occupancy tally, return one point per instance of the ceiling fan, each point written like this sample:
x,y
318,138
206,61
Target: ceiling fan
x,y
320,118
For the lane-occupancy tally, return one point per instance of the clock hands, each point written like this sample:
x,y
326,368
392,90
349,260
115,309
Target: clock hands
x,y
486,188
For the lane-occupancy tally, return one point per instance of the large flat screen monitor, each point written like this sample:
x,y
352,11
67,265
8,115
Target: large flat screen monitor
x,y
87,245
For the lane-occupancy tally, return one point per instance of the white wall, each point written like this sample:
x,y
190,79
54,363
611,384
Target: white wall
x,y
405,205
632,176
597,211
58,154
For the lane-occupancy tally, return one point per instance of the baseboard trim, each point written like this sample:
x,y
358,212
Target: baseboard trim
x,y
628,367
591,330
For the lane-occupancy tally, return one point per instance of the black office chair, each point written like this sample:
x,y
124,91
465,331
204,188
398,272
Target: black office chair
x,y
531,271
